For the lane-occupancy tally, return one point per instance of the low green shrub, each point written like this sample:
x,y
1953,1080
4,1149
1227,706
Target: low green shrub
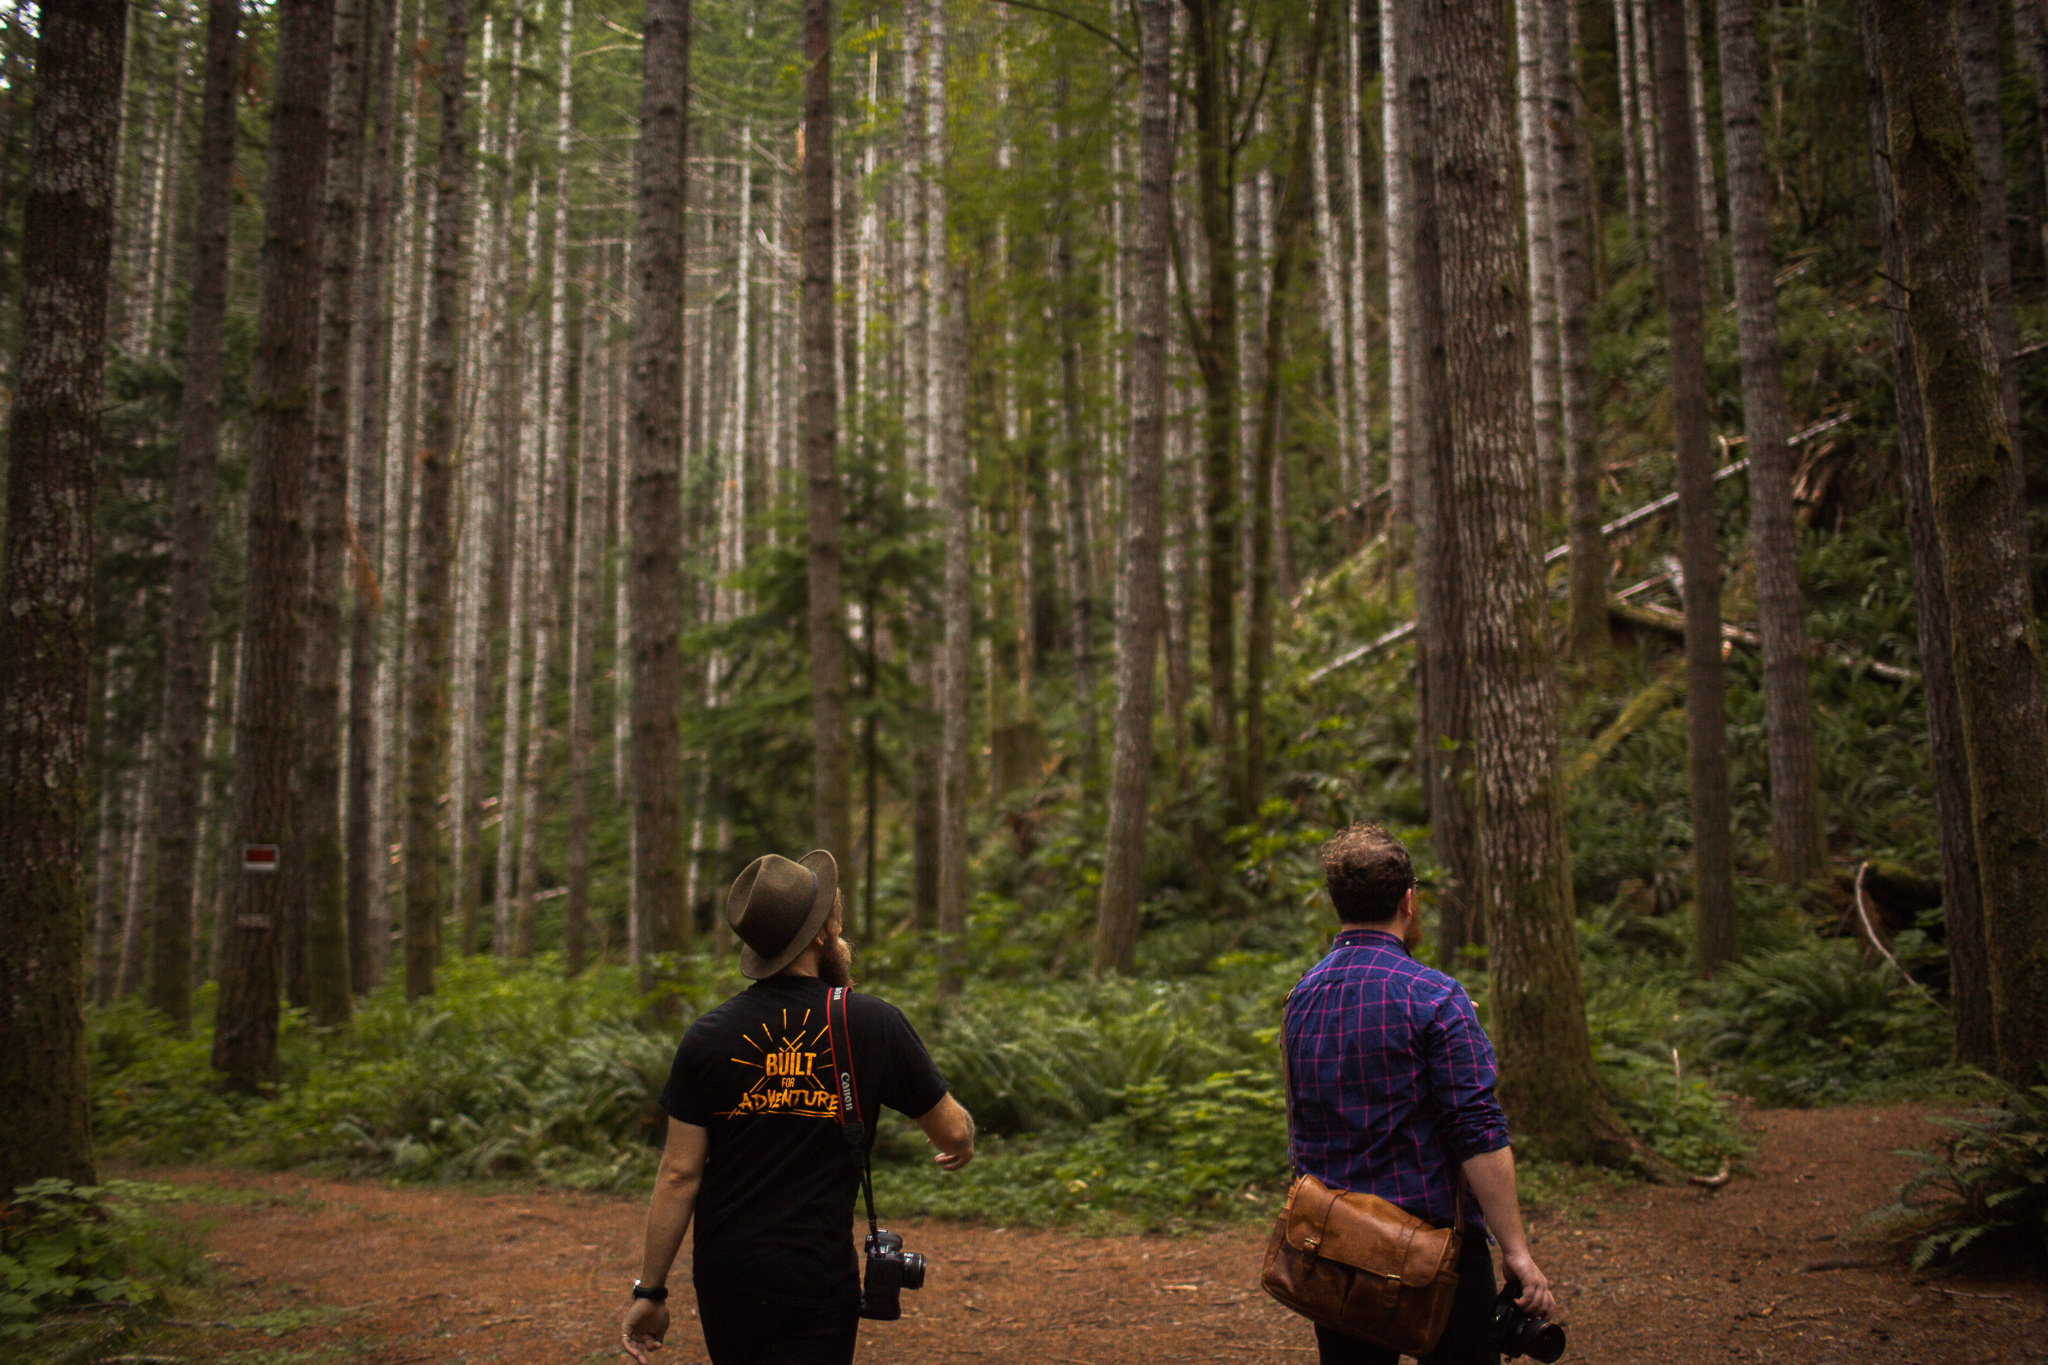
x,y
63,1245
1985,1192
1816,1024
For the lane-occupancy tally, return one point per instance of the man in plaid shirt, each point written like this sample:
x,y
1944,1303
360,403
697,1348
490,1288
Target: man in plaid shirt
x,y
1393,1092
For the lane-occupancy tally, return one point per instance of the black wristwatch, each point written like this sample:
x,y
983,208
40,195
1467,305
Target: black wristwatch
x,y
655,1294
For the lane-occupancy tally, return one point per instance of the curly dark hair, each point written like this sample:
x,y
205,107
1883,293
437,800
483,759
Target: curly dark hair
x,y
1368,872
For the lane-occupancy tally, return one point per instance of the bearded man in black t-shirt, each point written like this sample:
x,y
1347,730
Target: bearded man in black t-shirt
x,y
756,1153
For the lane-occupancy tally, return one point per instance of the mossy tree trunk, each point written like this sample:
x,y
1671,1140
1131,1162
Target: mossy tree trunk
x,y
46,626
1974,476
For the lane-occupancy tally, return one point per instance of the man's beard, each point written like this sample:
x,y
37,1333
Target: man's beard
x,y
835,964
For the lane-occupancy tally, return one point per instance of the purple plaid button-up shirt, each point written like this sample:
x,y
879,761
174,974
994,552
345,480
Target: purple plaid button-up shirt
x,y
1392,1077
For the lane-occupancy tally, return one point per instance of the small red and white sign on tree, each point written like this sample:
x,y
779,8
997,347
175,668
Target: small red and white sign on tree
x,y
259,857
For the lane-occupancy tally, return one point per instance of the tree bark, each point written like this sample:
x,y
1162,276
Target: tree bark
x,y
1713,870
325,963
183,759
1703,156
589,572
2030,26
1444,739
1539,172
1962,901
364,857
1288,225
654,403
1975,479
1537,1017
1400,235
1631,145
1080,567
1216,354
47,625
1798,835
273,602
956,468
1574,222
1137,606
1980,39
1647,120
832,791
427,674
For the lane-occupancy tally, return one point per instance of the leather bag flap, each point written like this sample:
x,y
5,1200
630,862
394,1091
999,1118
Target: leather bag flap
x,y
1365,1232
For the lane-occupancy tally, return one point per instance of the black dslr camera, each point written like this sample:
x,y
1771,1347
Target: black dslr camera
x,y
1515,1333
891,1270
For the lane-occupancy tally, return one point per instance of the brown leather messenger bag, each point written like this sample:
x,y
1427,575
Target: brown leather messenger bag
x,y
1355,1262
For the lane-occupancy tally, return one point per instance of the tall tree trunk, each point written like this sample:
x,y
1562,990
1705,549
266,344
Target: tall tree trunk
x,y
1798,837
1400,234
1072,308
1586,635
1537,1018
1332,304
183,759
589,573
1713,871
427,677
956,506
654,402
1975,480
1647,120
1703,154
1630,102
141,836
273,601
326,964
2030,25
46,627
1137,605
105,960
1980,37
1362,29
1289,223
1216,354
1539,171
832,790
365,859
1444,739
1962,901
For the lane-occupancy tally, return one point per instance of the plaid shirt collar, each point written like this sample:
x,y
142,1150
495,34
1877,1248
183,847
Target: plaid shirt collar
x,y
1370,938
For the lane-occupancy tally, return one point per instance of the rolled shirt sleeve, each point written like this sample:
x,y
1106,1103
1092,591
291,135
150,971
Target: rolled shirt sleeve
x,y
1462,1072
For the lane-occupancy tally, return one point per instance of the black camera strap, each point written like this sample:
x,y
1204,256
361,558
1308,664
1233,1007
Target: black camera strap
x,y
840,1035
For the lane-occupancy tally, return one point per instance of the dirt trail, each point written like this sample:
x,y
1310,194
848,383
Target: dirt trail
x,y
1753,1273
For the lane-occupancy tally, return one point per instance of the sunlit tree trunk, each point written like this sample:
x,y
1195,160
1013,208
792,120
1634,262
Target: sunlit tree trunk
x,y
1539,215
589,574
364,858
1647,119
1332,306
1586,634
1975,479
141,836
1630,102
46,626
1290,222
1703,154
1399,231
1137,601
183,756
654,416
273,600
427,673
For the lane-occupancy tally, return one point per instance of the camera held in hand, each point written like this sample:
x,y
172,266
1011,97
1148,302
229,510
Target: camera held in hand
x,y
891,1270
1514,1333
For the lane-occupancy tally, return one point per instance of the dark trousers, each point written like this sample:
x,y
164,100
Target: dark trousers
x,y
1464,1339
773,1329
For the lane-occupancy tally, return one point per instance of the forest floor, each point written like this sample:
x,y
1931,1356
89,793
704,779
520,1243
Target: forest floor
x,y
1776,1267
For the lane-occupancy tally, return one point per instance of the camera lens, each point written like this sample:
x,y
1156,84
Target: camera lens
x,y
1541,1340
913,1278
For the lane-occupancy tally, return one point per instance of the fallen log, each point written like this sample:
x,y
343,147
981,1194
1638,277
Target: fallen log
x,y
1645,705
1673,623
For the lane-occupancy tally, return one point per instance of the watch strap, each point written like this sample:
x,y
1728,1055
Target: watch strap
x,y
654,1293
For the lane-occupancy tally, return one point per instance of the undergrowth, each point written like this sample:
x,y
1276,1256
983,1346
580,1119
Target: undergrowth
x,y
1982,1197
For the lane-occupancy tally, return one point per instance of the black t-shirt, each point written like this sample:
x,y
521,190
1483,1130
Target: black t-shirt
x,y
775,1210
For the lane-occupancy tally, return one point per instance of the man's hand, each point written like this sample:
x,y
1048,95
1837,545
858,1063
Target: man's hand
x,y
1536,1299
646,1324
950,1128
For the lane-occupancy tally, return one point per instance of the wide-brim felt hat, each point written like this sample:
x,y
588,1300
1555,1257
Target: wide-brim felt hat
x,y
776,907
